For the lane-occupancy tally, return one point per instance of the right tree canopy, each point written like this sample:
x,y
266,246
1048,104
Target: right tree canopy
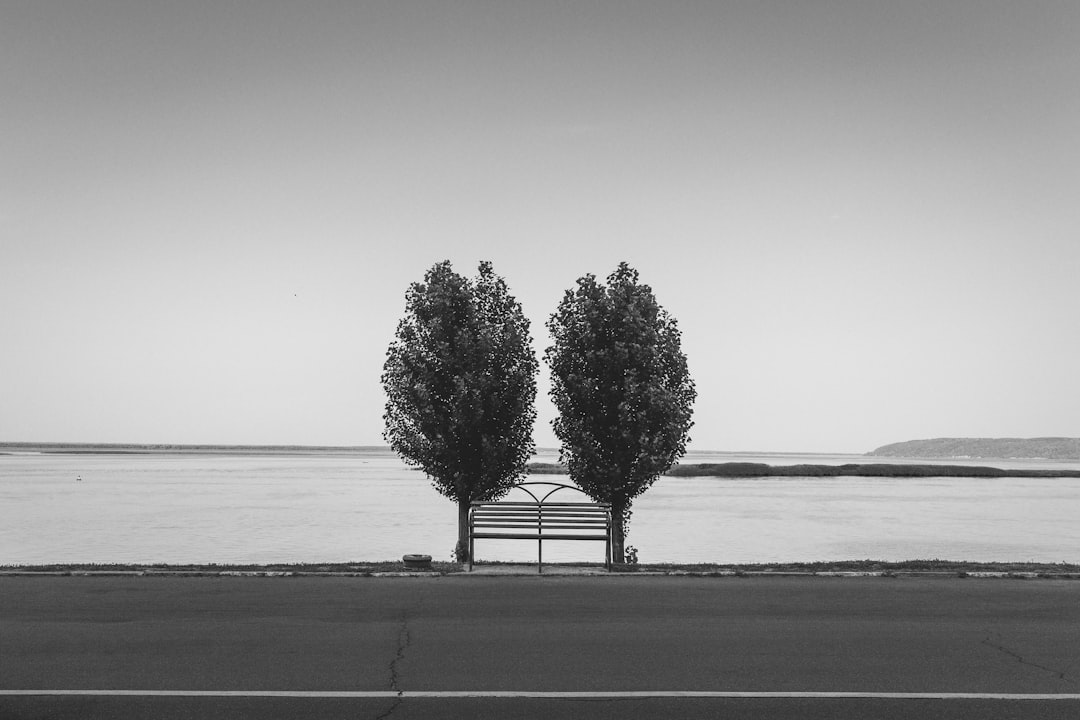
x,y
622,389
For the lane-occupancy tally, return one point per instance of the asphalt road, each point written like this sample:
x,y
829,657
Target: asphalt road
x,y
548,634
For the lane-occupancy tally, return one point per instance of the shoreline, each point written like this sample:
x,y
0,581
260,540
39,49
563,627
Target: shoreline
x,y
61,448
721,469
888,470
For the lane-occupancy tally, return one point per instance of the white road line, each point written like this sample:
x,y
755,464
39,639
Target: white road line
x,y
448,694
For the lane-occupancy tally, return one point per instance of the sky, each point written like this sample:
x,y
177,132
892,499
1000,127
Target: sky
x,y
862,214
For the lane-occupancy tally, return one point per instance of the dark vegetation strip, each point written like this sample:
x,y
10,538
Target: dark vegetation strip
x,y
933,565
897,470
352,567
363,568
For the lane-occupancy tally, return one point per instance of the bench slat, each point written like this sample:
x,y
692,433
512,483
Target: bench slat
x,y
515,524
537,516
496,522
527,503
519,506
523,535
534,508
545,532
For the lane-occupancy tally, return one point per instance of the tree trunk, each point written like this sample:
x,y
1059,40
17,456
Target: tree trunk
x,y
618,535
462,549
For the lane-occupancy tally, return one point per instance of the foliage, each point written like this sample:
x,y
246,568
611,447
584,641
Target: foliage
x,y
622,389
460,382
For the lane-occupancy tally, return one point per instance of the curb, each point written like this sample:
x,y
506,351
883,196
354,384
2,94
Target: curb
x,y
209,573
940,574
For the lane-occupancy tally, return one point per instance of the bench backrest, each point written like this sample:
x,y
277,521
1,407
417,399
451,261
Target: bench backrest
x,y
549,519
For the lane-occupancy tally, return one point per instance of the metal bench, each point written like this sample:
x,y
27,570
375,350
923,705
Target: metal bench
x,y
540,520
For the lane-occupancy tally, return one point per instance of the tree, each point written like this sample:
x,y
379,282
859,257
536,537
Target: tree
x,y
460,382
622,390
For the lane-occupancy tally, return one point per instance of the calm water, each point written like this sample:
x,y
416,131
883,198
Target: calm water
x,y
369,506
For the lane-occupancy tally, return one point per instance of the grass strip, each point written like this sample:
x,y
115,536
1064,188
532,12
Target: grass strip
x,y
389,566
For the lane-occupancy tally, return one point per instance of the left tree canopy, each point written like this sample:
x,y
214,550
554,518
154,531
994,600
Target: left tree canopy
x,y
460,382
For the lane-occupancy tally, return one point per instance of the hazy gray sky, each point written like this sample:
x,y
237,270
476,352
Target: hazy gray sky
x,y
864,215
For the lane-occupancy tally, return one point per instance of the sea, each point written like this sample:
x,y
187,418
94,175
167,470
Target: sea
x,y
358,505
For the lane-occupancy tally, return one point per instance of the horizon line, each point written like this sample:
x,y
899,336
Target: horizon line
x,y
297,446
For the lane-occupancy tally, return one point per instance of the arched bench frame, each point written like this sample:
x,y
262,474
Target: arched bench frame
x,y
540,520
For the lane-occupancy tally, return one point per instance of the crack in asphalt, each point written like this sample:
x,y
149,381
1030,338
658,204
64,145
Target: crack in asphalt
x,y
1020,658
403,641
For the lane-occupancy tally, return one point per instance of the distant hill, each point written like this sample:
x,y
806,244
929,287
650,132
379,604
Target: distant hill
x,y
1048,448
